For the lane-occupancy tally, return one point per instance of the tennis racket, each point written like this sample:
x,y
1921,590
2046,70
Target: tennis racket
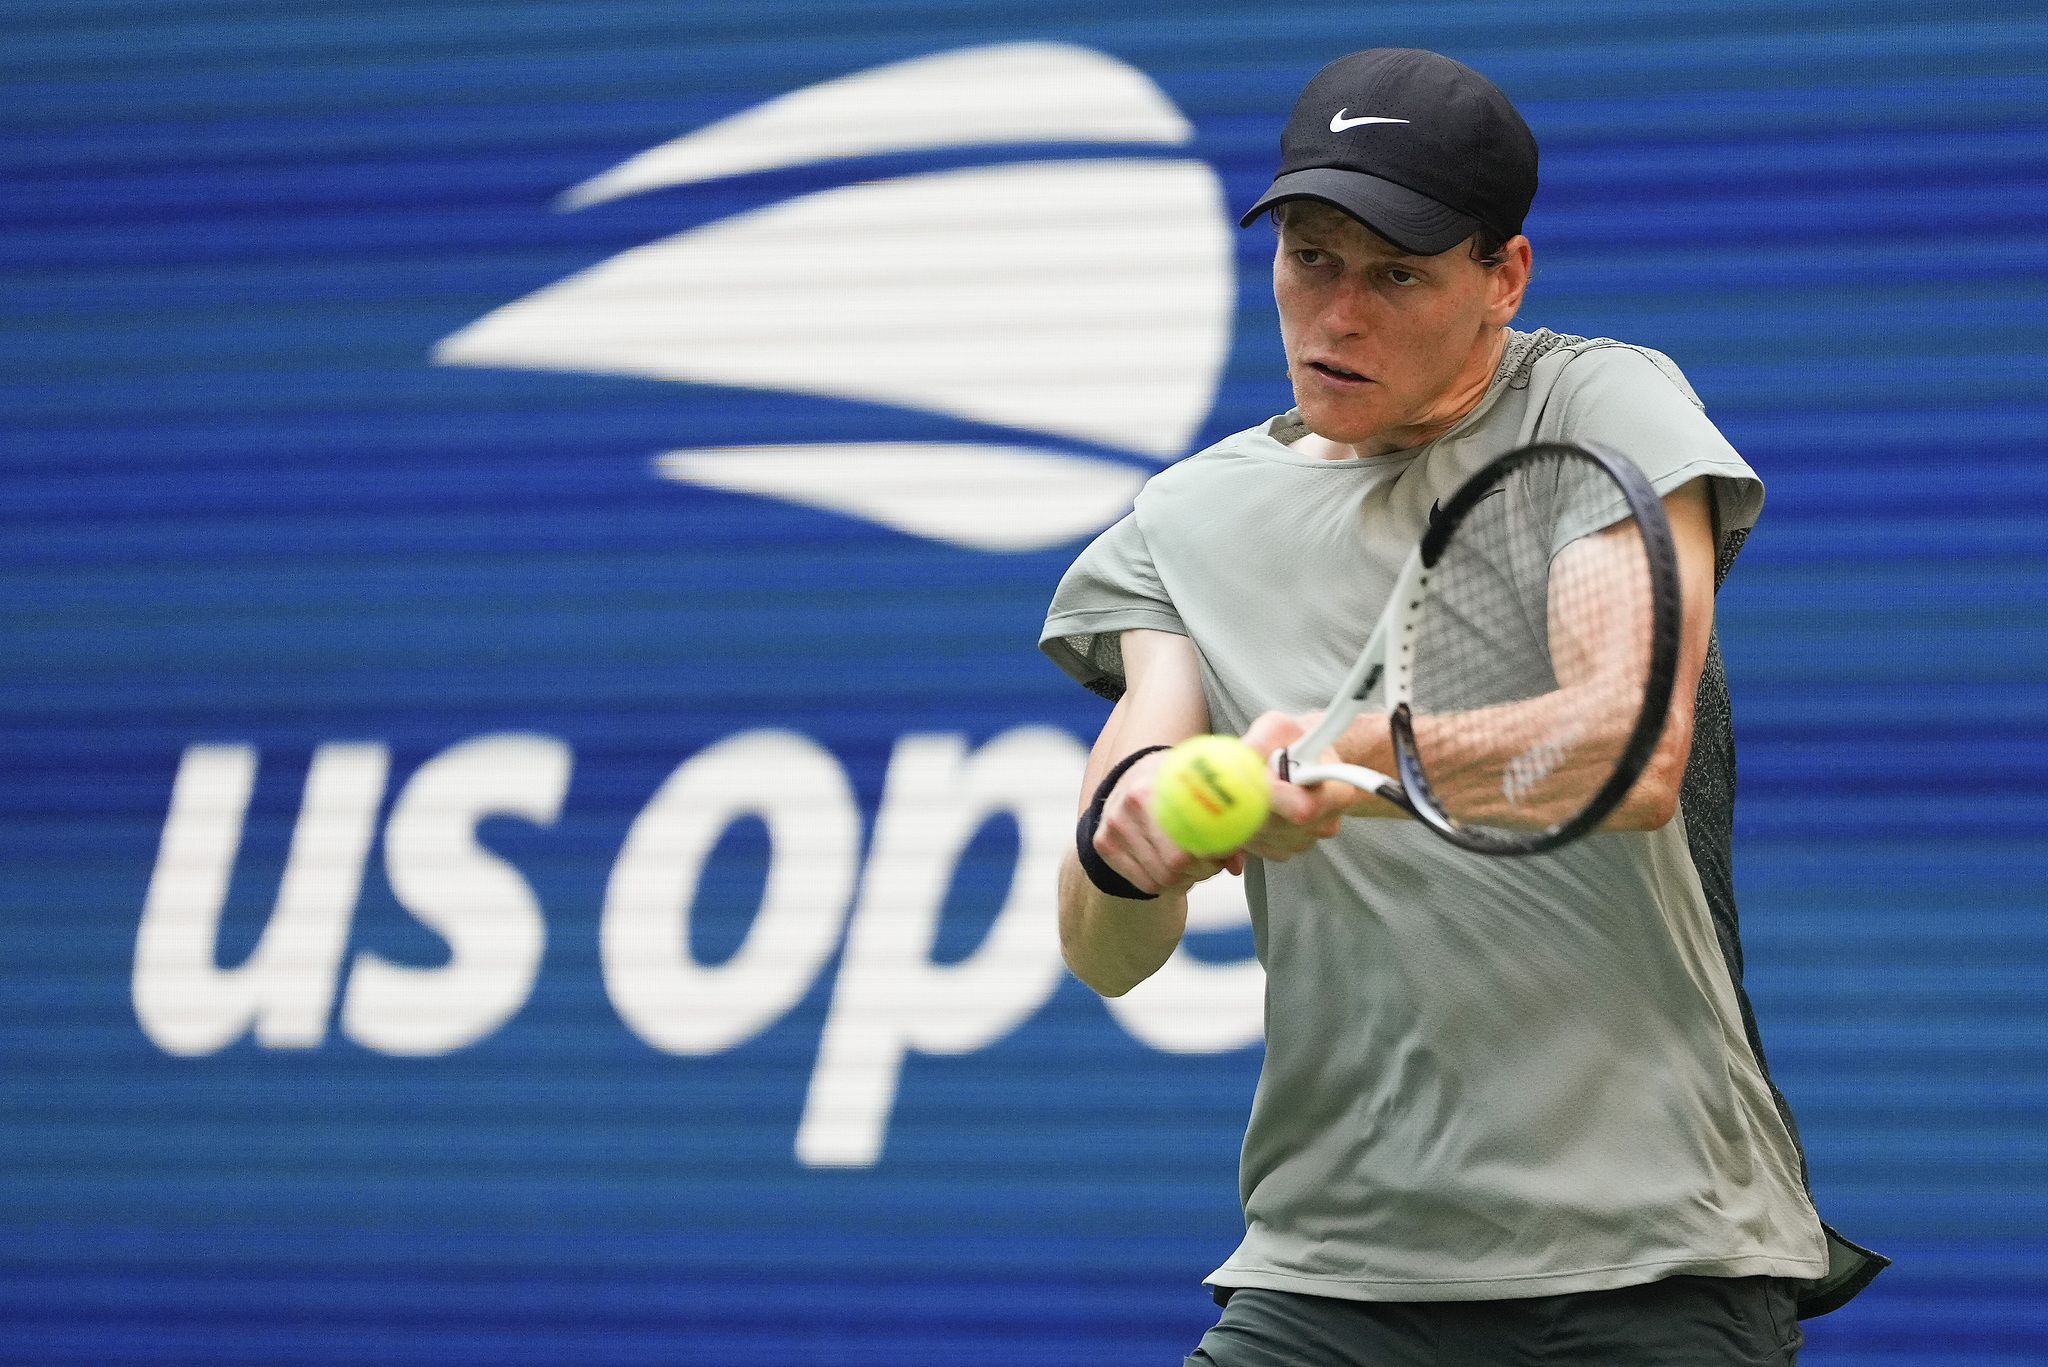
x,y
1525,659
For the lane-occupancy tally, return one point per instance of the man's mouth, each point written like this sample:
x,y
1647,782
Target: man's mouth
x,y
1336,372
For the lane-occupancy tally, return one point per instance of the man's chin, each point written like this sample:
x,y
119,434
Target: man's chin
x,y
1341,423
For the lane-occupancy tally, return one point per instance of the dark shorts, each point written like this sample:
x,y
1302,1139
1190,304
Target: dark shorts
x,y
1677,1322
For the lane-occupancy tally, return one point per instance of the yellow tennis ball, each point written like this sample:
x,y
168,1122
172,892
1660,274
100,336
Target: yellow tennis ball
x,y
1210,794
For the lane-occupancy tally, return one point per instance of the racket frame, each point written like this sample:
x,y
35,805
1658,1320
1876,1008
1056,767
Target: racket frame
x,y
1388,659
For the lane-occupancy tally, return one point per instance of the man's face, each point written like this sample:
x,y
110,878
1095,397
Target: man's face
x,y
1385,349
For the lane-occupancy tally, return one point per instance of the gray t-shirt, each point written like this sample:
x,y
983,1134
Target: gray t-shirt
x,y
1484,1078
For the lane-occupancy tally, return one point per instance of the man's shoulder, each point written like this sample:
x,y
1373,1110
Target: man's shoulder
x,y
1264,438
1546,360
1214,464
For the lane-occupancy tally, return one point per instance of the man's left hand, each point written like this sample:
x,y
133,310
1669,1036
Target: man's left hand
x,y
1299,816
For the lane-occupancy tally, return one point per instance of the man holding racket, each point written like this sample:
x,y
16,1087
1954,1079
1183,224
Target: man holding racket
x,y
1511,1111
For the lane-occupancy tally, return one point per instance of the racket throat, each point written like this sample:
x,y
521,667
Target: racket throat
x,y
1381,665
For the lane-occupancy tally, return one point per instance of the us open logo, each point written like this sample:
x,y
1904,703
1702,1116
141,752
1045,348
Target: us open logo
x,y
1081,302
1087,299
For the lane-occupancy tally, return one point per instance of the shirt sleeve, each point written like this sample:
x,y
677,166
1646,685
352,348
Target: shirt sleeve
x,y
1112,588
1635,401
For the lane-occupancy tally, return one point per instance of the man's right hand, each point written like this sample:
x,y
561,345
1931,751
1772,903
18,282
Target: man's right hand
x,y
1114,943
1130,841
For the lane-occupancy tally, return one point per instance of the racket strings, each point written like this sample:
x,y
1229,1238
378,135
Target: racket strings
x,y
1533,649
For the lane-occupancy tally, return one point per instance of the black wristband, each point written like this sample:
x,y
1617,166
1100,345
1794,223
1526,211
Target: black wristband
x,y
1094,865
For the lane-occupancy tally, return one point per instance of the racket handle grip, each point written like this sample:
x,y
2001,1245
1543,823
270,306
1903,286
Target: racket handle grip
x,y
1357,775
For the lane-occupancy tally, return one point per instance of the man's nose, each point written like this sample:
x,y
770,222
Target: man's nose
x,y
1348,308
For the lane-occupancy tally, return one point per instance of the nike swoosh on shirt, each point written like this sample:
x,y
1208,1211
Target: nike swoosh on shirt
x,y
1436,513
1338,123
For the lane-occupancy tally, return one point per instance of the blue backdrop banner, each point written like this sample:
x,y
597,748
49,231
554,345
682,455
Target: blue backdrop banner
x,y
531,798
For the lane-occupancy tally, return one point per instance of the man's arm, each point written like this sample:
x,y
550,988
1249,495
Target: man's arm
x,y
1115,943
1653,800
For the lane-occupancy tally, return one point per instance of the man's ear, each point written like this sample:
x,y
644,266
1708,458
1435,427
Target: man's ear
x,y
1510,281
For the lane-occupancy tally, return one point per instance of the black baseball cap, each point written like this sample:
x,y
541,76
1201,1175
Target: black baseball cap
x,y
1419,148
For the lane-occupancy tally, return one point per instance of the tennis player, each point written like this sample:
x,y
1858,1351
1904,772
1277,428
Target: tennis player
x,y
1512,1111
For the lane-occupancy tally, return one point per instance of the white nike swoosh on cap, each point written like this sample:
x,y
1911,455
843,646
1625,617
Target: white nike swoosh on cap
x,y
1338,123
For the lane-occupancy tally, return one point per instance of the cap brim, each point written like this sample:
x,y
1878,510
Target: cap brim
x,y
1415,223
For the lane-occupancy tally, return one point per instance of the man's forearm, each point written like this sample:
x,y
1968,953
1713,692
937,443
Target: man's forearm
x,y
1110,943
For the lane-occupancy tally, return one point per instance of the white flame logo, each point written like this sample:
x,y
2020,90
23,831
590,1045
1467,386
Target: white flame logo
x,y
1089,300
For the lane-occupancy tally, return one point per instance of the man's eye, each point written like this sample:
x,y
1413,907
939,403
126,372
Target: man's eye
x,y
1309,256
1400,277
